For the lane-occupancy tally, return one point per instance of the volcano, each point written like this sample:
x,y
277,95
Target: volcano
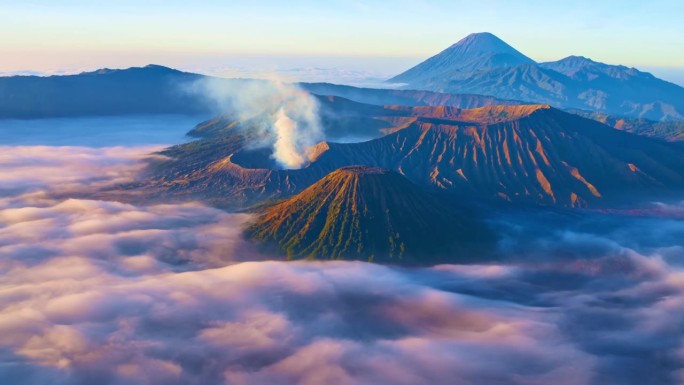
x,y
368,213
483,64
522,155
475,52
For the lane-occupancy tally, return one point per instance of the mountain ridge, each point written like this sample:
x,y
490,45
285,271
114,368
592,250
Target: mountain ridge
x,y
155,89
573,82
540,156
151,89
477,51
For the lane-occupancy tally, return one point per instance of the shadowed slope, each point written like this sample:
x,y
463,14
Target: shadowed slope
x,y
477,51
547,157
366,213
530,154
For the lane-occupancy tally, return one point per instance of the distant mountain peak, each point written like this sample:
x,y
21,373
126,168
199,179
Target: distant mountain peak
x,y
578,59
150,68
572,65
477,51
161,68
483,64
483,42
484,35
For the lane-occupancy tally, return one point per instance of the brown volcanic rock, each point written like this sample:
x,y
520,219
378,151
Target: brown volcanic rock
x,y
529,154
546,157
481,115
367,213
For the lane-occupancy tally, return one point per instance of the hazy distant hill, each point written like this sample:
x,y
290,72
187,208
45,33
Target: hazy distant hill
x,y
159,90
483,64
367,213
148,90
671,131
403,97
530,154
155,89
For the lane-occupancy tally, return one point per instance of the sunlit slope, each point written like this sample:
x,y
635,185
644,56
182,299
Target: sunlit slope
x,y
526,154
545,157
366,213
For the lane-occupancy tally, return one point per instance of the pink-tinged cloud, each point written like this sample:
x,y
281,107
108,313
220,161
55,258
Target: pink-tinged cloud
x,y
95,292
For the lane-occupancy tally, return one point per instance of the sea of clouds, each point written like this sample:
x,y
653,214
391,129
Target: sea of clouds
x,y
96,292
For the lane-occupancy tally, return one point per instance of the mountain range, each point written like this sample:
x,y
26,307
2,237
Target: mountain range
x,y
483,64
391,180
147,90
523,154
156,89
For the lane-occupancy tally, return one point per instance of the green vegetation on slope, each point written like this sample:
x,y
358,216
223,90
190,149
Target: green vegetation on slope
x,y
369,214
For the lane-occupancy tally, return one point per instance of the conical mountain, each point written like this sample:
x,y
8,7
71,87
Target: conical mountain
x,y
477,51
483,64
368,213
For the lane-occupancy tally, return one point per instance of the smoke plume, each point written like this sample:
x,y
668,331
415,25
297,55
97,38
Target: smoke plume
x,y
285,115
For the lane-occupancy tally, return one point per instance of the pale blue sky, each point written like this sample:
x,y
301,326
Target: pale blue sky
x,y
372,37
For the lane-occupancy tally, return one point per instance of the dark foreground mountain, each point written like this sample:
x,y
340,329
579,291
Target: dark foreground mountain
x,y
372,214
483,64
531,154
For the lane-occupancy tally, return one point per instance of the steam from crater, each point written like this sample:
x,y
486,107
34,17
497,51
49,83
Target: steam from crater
x,y
296,126
285,115
95,292
286,151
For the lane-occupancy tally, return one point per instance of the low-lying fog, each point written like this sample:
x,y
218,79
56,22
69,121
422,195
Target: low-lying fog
x,y
95,292
97,131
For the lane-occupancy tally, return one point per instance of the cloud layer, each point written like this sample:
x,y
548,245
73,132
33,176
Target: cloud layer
x,y
95,292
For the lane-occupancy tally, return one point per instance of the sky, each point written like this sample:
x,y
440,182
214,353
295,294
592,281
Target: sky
x,y
350,39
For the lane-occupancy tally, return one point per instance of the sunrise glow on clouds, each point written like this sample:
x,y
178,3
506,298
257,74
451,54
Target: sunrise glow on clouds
x,y
97,291
121,264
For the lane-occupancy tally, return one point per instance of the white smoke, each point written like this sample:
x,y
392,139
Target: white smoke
x,y
286,116
296,125
286,151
